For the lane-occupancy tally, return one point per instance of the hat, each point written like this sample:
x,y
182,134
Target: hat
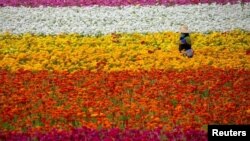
x,y
184,29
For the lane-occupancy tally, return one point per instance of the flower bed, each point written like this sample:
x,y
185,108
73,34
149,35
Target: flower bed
x,y
117,52
127,81
43,100
113,134
69,73
128,19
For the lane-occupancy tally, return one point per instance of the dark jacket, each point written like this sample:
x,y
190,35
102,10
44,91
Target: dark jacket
x,y
185,42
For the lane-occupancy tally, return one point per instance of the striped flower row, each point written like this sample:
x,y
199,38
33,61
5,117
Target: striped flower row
x,y
83,134
117,52
34,101
35,3
103,20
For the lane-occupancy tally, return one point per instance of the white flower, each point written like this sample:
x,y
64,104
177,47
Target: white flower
x,y
94,20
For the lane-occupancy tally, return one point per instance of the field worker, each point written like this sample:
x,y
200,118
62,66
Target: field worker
x,y
185,42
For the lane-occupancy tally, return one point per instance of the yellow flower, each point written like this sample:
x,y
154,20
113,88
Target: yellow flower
x,y
131,52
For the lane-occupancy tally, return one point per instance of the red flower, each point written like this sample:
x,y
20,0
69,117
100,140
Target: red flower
x,y
248,52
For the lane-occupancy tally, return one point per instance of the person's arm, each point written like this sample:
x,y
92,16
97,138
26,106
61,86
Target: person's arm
x,y
182,39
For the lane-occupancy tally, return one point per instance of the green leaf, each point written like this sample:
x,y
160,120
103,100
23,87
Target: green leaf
x,y
197,119
205,93
94,120
124,117
37,122
76,123
99,127
85,109
174,102
228,84
110,117
164,119
8,126
137,116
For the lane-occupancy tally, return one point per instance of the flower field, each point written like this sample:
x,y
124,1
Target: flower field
x,y
91,75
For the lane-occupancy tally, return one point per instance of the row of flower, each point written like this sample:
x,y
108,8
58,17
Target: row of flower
x,y
121,86
35,3
43,100
87,134
128,19
117,52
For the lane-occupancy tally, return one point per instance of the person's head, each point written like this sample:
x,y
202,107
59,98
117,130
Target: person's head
x,y
184,29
